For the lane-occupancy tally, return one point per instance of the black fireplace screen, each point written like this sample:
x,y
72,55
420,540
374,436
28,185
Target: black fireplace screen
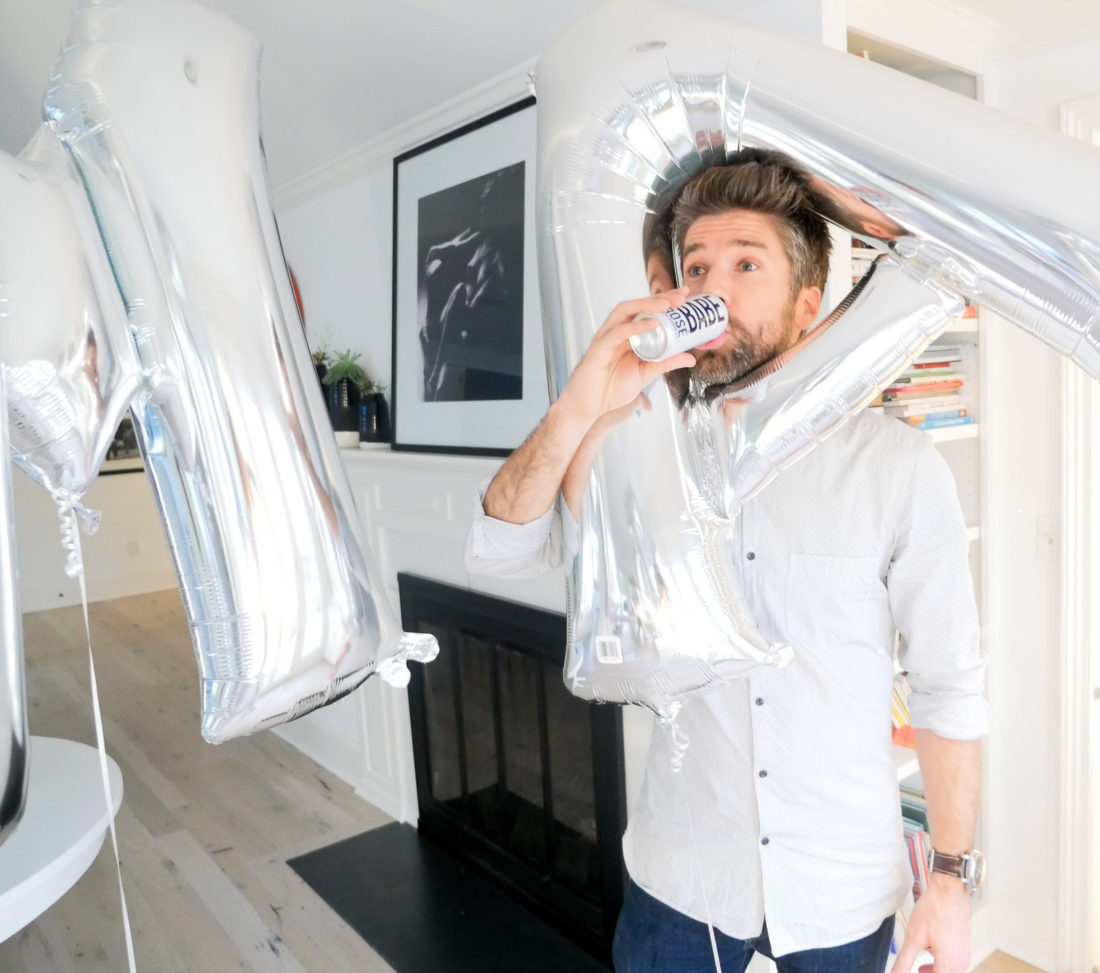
x,y
514,774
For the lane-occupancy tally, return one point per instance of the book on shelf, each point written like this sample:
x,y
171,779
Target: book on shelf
x,y
918,844
904,736
914,809
943,423
937,373
926,370
914,405
903,392
933,372
902,733
939,353
907,383
912,787
922,413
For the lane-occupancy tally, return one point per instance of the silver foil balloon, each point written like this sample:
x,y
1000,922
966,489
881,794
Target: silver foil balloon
x,y
635,98
70,367
13,708
157,105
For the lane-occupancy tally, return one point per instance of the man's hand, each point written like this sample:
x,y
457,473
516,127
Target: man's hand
x,y
609,375
940,923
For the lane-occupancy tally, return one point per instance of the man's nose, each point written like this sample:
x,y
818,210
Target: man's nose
x,y
723,283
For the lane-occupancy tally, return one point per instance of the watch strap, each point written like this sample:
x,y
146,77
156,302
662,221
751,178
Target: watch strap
x,y
948,864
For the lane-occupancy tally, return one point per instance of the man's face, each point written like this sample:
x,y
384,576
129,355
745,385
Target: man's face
x,y
739,256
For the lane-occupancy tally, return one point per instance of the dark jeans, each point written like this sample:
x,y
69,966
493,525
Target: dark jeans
x,y
653,938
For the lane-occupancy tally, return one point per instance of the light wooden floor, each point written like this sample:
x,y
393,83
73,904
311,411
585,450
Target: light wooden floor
x,y
204,831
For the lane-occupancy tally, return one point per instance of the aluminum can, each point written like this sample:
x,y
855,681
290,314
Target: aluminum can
x,y
699,319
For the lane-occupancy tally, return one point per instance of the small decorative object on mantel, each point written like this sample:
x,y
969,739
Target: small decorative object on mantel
x,y
343,379
320,361
374,416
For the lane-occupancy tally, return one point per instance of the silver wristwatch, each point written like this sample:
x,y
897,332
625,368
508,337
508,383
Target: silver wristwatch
x,y
968,868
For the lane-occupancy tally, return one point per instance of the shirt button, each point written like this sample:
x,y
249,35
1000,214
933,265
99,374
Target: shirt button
x,y
763,773
759,700
764,841
751,555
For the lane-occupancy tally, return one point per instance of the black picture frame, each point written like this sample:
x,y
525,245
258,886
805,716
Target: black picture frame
x,y
469,374
124,454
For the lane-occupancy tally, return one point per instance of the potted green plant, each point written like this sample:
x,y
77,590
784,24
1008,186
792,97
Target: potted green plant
x,y
374,413
343,378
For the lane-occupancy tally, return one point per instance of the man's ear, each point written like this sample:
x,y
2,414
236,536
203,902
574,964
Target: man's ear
x,y
806,307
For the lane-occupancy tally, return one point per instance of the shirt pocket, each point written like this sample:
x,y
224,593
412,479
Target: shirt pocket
x,y
838,602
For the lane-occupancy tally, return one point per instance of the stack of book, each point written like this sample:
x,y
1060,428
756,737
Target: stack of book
x,y
928,394
914,816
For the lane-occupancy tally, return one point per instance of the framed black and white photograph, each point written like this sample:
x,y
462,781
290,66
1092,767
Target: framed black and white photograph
x,y
468,362
123,455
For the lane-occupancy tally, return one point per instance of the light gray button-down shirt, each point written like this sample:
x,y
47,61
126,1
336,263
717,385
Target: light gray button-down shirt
x,y
787,804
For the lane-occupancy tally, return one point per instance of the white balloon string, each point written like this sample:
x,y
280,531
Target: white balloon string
x,y
680,743
74,568
70,541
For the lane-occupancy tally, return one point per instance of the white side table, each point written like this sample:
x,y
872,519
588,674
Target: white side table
x,y
61,831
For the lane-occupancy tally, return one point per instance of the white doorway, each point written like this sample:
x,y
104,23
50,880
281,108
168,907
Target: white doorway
x,y
1079,920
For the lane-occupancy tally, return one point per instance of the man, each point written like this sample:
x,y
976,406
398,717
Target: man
x,y
782,830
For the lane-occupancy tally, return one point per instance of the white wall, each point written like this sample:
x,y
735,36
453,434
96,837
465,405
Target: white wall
x,y
126,556
416,509
340,248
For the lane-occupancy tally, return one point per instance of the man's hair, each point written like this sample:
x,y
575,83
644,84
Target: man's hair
x,y
769,182
657,232
655,239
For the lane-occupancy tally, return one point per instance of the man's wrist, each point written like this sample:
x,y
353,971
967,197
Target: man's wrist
x,y
571,421
948,885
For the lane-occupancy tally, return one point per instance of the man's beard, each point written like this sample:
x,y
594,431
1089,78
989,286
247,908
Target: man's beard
x,y
718,368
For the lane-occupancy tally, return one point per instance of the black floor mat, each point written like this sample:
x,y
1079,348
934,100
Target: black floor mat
x,y
425,912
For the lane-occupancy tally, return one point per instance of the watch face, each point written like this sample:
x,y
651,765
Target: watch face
x,y
974,873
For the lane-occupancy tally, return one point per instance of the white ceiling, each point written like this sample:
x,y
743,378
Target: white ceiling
x,y
335,73
338,73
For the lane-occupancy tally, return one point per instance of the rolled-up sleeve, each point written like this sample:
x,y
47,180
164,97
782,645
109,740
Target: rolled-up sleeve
x,y
932,598
502,549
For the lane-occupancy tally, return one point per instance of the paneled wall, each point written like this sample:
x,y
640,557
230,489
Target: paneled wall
x,y
417,510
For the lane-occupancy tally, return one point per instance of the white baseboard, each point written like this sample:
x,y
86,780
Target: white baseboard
x,y
981,942
43,595
1026,927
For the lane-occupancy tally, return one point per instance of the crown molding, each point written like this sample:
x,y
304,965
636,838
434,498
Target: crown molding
x,y
1047,28
495,93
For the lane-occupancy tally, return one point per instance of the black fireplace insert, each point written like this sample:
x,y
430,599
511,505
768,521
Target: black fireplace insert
x,y
516,776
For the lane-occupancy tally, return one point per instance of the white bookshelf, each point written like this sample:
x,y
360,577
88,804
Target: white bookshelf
x,y
905,762
951,434
961,446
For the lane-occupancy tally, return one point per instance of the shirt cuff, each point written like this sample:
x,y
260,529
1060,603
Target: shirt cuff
x,y
497,547
950,715
570,530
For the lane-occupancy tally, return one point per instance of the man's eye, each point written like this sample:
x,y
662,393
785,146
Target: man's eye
x,y
696,271
747,265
